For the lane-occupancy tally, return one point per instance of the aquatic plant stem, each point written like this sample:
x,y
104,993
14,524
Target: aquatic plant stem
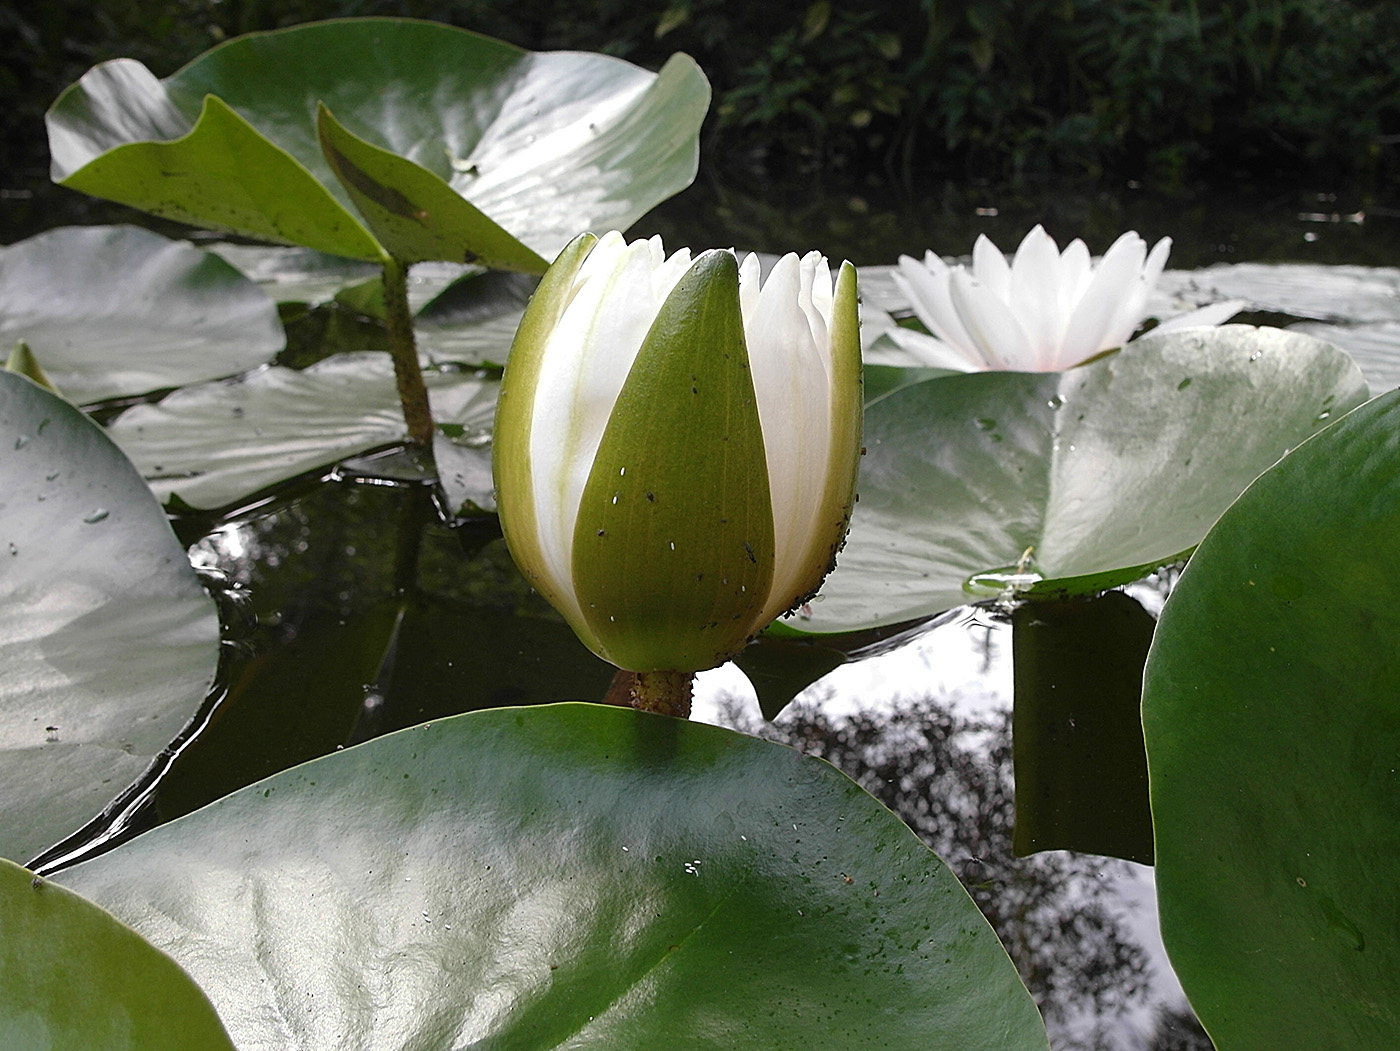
x,y
663,692
413,395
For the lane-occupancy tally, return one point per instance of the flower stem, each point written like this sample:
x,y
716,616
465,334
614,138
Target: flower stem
x,y
663,692
413,395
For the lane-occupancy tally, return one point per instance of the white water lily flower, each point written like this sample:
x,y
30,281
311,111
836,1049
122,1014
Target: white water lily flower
x,y
676,444
1045,310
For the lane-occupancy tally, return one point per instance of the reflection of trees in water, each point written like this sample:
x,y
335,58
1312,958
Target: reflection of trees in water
x,y
1178,1030
950,779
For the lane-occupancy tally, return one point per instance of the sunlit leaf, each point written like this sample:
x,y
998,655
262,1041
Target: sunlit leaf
x,y
544,144
415,214
1067,483
1271,707
107,642
73,977
111,311
215,444
567,876
1374,346
211,169
1307,290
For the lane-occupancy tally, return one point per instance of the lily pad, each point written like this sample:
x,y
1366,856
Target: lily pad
x,y
107,642
1271,707
113,311
303,275
473,320
567,876
1374,346
992,484
73,977
1304,290
215,444
450,140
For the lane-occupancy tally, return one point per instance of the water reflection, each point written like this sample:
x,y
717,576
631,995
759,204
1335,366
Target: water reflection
x,y
926,729
949,777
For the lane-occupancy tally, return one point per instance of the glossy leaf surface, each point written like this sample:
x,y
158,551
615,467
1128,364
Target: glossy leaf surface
x,y
567,876
1069,482
72,977
1272,712
113,311
107,642
545,145
416,215
217,443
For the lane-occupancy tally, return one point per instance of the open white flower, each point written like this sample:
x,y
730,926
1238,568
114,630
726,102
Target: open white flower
x,y
676,444
1045,310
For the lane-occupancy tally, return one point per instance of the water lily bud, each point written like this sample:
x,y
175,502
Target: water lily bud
x,y
676,444
1043,311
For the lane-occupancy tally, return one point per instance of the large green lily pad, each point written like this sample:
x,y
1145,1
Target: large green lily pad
x,y
1271,707
1065,483
112,311
107,642
567,876
445,144
72,977
213,445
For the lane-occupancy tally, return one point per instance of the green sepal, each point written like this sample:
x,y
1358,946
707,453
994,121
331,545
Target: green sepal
x,y
673,549
414,213
511,466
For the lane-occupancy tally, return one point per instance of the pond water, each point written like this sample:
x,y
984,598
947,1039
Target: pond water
x,y
352,610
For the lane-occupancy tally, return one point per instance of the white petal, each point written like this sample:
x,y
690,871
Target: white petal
x,y
1098,320
1212,314
994,329
926,287
1135,307
1035,295
990,268
1156,262
618,292
897,346
750,270
791,383
815,301
1076,271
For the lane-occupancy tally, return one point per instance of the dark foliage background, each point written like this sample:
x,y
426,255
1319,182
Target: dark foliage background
x,y
1158,90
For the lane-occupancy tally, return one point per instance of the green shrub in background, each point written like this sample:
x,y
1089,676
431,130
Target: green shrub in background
x,y
1160,90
